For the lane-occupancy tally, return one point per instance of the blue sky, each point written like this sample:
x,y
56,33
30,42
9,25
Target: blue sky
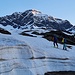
x,y
63,9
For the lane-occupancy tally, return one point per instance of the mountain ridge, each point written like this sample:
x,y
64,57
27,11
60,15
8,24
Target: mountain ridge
x,y
21,20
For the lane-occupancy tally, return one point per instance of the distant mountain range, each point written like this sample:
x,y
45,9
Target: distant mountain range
x,y
31,19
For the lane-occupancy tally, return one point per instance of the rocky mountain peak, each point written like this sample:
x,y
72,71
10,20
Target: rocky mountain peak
x,y
22,20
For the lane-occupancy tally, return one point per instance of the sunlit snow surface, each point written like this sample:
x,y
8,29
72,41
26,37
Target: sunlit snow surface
x,y
23,55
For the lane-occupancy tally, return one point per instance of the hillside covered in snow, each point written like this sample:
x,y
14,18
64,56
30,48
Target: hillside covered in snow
x,y
25,55
26,47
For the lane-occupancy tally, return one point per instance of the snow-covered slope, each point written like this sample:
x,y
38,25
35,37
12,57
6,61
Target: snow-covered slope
x,y
23,55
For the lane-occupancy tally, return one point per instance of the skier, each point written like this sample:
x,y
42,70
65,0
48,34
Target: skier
x,y
55,41
64,43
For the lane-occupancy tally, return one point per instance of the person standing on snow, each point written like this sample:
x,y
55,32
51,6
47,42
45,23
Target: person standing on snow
x,y
55,41
64,44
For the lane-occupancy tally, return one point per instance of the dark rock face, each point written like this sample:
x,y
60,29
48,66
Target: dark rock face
x,y
61,73
72,28
4,31
36,18
60,34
